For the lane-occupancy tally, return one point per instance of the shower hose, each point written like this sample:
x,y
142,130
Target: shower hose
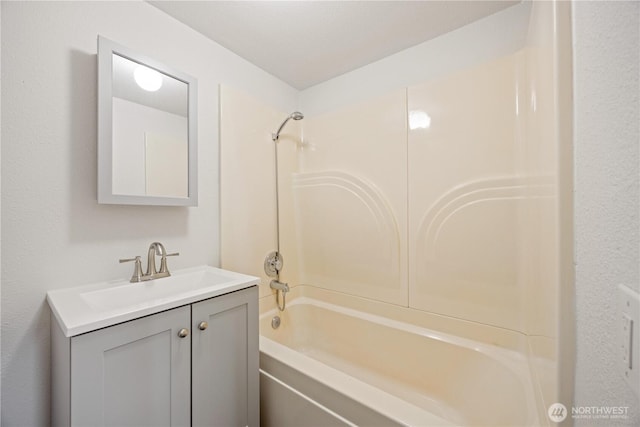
x,y
284,300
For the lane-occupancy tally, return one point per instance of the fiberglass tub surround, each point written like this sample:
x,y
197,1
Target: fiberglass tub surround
x,y
373,191
440,197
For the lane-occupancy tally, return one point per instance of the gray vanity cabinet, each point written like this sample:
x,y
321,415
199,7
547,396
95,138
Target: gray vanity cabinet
x,y
133,374
225,361
192,365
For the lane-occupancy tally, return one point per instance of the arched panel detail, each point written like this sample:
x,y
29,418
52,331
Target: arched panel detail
x,y
471,245
347,235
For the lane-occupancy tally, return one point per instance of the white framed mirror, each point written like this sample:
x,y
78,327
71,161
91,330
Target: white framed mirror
x,y
147,139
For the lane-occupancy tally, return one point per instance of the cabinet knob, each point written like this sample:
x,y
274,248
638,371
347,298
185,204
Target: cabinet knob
x,y
182,333
203,325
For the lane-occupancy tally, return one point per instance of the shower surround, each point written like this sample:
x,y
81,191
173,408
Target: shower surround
x,y
447,197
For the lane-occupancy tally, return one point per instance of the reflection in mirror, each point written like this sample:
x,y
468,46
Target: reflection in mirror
x,y
147,140
150,150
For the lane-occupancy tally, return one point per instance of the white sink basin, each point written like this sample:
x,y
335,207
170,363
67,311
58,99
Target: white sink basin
x,y
128,294
86,308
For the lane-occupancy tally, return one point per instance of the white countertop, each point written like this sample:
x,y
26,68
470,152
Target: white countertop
x,y
86,308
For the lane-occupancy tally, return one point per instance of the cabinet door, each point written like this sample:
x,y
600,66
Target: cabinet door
x,y
225,383
133,374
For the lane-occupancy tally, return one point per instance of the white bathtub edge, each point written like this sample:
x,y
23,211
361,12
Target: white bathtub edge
x,y
388,405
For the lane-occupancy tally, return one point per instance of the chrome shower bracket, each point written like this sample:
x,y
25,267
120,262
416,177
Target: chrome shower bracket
x,y
273,264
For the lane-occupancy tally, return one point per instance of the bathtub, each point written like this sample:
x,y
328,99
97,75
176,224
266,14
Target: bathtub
x,y
342,360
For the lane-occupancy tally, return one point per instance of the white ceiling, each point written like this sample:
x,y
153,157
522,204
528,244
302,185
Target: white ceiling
x,y
307,42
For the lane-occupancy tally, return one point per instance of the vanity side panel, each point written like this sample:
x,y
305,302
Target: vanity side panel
x,y
253,358
60,376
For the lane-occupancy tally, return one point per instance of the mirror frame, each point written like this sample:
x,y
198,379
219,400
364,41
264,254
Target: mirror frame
x,y
106,50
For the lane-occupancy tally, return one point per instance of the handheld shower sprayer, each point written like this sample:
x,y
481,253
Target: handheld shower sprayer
x,y
296,115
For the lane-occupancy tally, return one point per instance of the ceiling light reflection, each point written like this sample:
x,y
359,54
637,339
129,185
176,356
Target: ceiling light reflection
x,y
419,120
148,79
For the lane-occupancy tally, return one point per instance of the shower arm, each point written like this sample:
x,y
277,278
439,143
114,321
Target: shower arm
x,y
276,135
296,115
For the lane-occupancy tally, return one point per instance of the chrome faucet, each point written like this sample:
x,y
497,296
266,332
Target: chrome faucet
x,y
155,248
279,286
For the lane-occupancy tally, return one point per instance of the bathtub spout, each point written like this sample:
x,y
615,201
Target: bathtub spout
x,y
279,286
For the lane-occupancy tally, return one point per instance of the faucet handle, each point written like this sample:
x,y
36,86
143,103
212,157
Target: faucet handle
x,y
137,272
163,263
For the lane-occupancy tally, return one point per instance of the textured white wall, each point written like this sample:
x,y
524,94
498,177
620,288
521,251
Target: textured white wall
x,y
54,233
606,126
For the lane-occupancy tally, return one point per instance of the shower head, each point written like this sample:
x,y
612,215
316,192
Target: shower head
x,y
296,115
